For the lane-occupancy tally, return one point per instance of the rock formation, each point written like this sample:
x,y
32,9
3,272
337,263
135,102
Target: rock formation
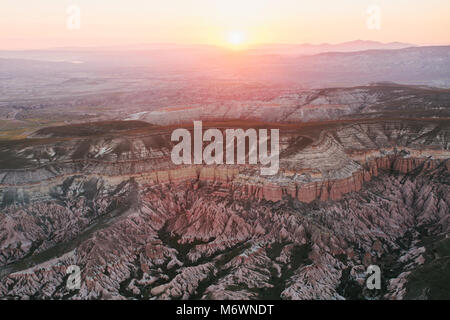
x,y
347,195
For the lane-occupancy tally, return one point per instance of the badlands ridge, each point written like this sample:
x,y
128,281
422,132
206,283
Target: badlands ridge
x,y
348,193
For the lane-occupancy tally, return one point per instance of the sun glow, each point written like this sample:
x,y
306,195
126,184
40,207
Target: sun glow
x,y
236,38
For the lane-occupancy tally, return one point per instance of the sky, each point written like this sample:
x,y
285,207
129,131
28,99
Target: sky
x,y
29,24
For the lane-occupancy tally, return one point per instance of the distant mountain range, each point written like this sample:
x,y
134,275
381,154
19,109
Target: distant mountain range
x,y
309,49
262,49
346,64
269,48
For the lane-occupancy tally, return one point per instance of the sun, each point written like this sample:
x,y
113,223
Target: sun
x,y
236,38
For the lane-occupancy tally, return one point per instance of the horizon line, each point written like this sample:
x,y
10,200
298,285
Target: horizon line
x,y
247,47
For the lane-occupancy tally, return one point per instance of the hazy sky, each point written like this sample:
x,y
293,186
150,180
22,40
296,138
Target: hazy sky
x,y
44,23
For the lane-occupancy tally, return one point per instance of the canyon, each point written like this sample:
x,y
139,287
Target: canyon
x,y
348,193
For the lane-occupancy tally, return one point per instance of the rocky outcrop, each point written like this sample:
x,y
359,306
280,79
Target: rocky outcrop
x,y
140,227
186,243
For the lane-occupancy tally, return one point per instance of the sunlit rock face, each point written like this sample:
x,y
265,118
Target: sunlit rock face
x,y
347,195
323,104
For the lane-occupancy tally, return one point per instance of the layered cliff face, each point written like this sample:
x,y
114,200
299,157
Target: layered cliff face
x,y
347,194
314,105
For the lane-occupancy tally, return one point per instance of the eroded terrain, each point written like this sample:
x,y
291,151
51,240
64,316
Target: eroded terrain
x,y
348,194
